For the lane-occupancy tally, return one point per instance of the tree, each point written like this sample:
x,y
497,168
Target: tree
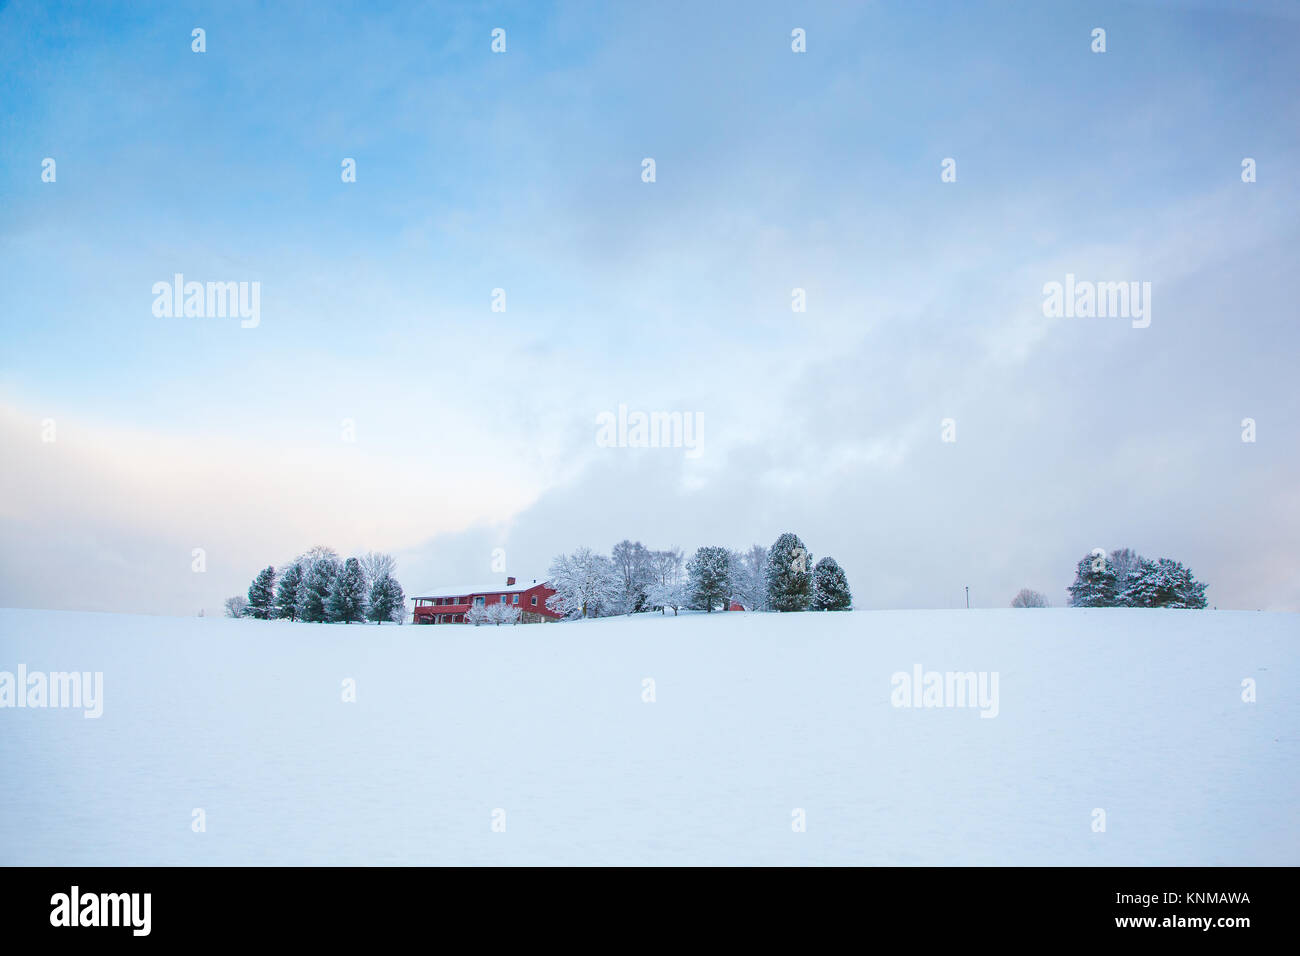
x,y
750,577
664,596
376,564
789,574
1094,582
665,590
830,587
387,600
236,606
477,615
710,578
320,567
317,584
632,562
288,596
347,597
1163,583
585,583
1126,564
261,595
499,614
1028,598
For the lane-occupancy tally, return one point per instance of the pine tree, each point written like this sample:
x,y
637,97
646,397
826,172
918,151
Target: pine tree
x,y
317,584
1163,583
1125,563
710,577
1094,582
789,574
289,593
387,600
830,587
261,595
347,598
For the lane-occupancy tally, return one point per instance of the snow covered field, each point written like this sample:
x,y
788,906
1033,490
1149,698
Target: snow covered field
x,y
1137,713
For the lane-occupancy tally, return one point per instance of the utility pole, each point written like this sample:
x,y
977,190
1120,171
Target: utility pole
x,y
968,597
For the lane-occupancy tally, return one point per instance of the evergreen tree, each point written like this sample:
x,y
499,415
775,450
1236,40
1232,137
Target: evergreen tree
x,y
789,574
709,572
347,597
1163,583
387,600
1094,582
317,584
289,594
1125,563
830,587
261,595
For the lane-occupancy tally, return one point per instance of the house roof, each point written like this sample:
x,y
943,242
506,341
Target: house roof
x,y
465,590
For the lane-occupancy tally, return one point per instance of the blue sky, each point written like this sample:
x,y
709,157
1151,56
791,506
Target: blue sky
x,y
521,171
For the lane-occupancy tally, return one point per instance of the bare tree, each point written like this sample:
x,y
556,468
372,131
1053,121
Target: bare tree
x,y
376,564
1028,598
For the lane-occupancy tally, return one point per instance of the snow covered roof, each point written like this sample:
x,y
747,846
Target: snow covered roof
x,y
465,590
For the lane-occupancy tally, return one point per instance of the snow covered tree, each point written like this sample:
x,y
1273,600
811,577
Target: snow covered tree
x,y
749,577
585,583
1028,598
830,587
236,606
1126,564
710,578
347,597
317,584
261,595
288,595
632,562
387,600
667,596
665,590
478,614
499,614
789,574
374,565
1094,582
1163,583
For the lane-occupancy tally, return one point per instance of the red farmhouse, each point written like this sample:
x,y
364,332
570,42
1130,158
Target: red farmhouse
x,y
449,605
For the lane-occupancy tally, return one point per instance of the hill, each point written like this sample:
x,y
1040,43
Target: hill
x,y
755,717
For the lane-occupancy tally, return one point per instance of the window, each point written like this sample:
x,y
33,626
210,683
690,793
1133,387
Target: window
x,y
516,599
479,600
534,600
505,598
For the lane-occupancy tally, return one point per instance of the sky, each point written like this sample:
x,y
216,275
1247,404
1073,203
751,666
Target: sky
x,y
154,463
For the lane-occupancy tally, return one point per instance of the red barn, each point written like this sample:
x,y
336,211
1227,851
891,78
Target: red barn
x,y
449,605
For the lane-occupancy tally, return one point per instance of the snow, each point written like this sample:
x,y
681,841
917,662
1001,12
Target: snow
x,y
1136,712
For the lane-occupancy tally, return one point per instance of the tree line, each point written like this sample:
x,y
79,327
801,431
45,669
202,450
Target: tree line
x,y
633,578
1124,578
318,587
